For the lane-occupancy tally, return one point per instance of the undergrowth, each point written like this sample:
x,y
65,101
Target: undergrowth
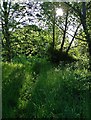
x,y
35,88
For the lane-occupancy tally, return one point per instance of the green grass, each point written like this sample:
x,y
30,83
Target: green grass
x,y
39,90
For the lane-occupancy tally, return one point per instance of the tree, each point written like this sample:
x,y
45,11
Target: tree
x,y
13,16
82,10
64,34
5,29
62,23
8,24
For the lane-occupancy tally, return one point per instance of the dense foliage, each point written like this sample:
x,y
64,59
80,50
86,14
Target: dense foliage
x,y
46,60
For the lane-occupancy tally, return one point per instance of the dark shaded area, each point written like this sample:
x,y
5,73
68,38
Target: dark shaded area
x,y
56,56
11,85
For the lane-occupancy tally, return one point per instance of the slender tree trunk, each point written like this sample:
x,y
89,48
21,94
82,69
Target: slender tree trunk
x,y
63,41
88,37
8,48
53,27
73,38
89,46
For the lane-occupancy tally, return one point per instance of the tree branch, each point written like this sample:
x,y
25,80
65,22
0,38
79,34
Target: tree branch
x,y
73,38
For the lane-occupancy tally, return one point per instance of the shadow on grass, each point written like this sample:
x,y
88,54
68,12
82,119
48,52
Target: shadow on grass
x,y
55,98
11,85
55,94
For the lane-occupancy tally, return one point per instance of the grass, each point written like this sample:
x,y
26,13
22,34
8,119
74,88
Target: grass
x,y
36,89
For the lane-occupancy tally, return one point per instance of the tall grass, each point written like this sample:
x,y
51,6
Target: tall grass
x,y
39,90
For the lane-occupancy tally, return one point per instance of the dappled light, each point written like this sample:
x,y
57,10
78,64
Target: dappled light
x,y
46,60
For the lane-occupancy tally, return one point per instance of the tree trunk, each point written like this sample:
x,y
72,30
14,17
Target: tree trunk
x,y
72,39
53,44
63,41
5,27
83,21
